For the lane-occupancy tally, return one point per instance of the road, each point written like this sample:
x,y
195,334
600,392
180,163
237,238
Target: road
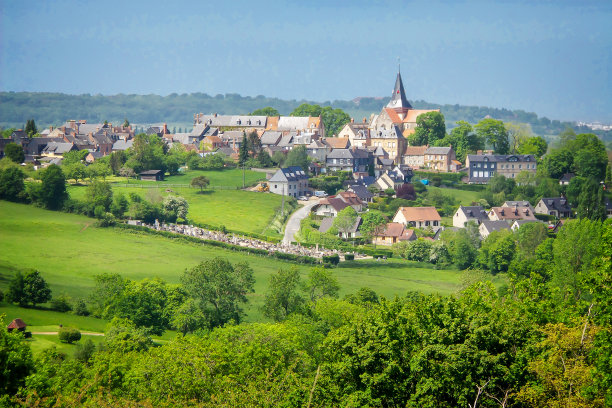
x,y
293,224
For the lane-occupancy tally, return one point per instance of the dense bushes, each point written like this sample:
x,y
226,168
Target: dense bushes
x,y
69,335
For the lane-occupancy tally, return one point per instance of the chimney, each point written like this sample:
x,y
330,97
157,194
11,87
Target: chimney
x,y
365,120
215,114
352,120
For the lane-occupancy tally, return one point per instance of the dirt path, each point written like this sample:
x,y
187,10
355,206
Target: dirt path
x,y
54,333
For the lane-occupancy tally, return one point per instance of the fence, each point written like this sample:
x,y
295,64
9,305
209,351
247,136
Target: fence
x,y
163,185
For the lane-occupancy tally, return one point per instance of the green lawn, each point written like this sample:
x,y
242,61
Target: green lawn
x,y
237,210
69,251
463,197
218,178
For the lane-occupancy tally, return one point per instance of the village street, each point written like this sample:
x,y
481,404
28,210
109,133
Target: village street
x,y
293,223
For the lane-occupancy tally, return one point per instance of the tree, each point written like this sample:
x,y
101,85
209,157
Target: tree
x,y
68,335
12,187
518,134
267,111
116,161
99,194
333,119
16,361
591,202
558,162
143,303
373,222
463,139
127,172
283,297
175,207
76,171
126,123
121,335
220,288
30,128
74,156
298,156
188,318
243,151
430,128
321,283
535,145
497,251
254,144
345,220
494,132
589,163
99,169
201,181
28,288
14,152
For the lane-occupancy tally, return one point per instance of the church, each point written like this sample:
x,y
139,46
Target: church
x,y
396,121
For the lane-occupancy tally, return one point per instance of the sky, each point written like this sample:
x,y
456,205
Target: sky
x,y
549,57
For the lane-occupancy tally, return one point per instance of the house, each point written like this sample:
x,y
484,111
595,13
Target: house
x,y
55,149
16,324
352,232
152,175
211,142
362,192
393,233
439,159
270,138
244,123
414,156
463,215
400,175
122,145
358,134
488,226
299,124
557,206
391,140
481,167
291,181
329,207
511,214
337,142
352,199
318,151
419,217
566,178
357,161
93,156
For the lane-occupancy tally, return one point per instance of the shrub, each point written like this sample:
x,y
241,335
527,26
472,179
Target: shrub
x,y
349,257
61,303
80,308
331,259
69,335
84,351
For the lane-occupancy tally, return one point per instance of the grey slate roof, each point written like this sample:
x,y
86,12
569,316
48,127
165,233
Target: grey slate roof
x,y
291,173
392,133
438,150
501,157
495,225
270,137
362,192
398,99
58,147
122,144
198,131
234,120
474,212
286,141
557,203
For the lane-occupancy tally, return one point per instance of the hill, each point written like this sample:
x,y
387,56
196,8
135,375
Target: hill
x,y
177,110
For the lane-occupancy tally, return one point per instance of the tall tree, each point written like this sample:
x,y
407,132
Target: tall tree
x,y
243,152
494,132
518,134
30,288
345,220
254,144
430,128
283,296
53,189
298,156
12,187
322,283
30,128
535,145
463,139
373,223
591,202
267,111
220,288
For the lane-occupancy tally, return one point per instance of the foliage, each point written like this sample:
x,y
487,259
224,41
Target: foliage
x,y
418,250
497,251
267,111
333,119
14,152
61,303
283,296
220,288
373,222
495,133
12,187
200,181
121,335
243,152
298,156
147,153
74,156
175,207
99,194
15,360
345,220
463,140
52,192
30,128
188,318
26,289
535,145
321,283
69,335
430,128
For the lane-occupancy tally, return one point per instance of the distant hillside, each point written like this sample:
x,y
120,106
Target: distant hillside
x,y
55,108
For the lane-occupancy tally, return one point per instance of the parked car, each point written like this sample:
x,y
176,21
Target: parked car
x,y
320,193
303,198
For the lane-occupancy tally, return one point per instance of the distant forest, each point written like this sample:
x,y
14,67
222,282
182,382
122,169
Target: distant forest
x,y
177,110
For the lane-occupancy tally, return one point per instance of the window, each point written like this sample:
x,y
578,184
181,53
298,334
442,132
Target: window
x,y
520,166
486,174
485,165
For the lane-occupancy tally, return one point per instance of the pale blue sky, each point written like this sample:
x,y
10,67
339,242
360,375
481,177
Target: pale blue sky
x,y
551,57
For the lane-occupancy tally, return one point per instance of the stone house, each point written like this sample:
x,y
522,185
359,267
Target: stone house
x,y
488,226
329,207
291,181
557,206
481,167
439,159
463,215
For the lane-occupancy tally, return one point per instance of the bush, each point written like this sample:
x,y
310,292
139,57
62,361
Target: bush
x,y
69,335
349,257
80,308
84,351
61,303
331,259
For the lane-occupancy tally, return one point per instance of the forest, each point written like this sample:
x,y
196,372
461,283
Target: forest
x,y
53,109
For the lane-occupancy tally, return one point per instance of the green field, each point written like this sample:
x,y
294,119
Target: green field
x,y
463,197
237,210
68,251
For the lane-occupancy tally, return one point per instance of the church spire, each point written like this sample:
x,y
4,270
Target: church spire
x,y
398,101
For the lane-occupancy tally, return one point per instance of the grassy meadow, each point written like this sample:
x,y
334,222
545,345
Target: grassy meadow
x,y
69,251
463,197
237,210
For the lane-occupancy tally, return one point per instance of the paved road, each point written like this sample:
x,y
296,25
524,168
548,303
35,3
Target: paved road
x,y
293,224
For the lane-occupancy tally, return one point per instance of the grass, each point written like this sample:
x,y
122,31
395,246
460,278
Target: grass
x,y
69,251
218,178
463,197
237,210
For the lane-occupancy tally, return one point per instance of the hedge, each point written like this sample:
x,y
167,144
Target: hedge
x,y
255,251
446,177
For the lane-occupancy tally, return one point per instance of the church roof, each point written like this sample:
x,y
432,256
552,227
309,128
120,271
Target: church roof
x,y
398,99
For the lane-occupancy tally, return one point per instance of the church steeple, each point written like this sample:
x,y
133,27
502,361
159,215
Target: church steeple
x,y
398,101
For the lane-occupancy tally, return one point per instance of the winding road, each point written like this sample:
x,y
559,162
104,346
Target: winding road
x,y
293,224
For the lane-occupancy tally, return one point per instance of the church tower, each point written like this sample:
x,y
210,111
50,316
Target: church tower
x,y
398,101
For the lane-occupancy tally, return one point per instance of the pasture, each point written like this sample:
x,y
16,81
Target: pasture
x,y
69,251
